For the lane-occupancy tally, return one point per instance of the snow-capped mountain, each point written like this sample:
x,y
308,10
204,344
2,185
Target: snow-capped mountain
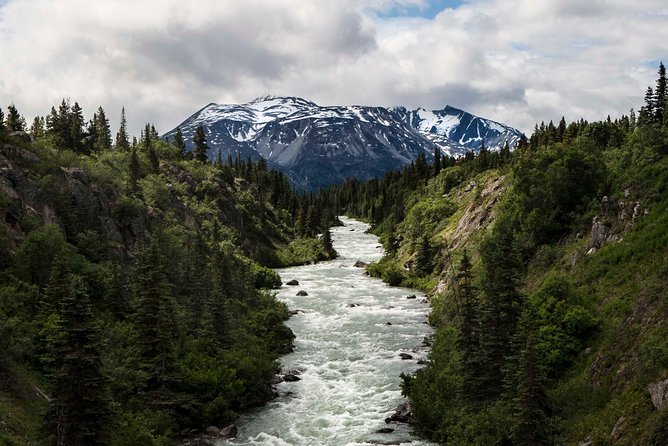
x,y
318,146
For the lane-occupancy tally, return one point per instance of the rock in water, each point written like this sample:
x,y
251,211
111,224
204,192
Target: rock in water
x,y
302,293
293,282
405,356
403,414
412,296
360,264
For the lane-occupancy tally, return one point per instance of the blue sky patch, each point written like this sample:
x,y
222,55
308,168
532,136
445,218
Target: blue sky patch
x,y
428,11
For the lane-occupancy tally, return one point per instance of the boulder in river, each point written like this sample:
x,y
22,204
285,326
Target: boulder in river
x,y
353,305
412,296
402,414
290,377
292,282
360,264
302,293
405,356
385,430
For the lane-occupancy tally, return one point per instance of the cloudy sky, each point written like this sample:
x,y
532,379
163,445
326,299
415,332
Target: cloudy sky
x,y
514,61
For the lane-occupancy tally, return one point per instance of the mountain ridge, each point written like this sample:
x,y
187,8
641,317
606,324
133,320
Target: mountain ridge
x,y
317,146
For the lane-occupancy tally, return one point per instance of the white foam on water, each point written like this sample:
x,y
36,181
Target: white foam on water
x,y
349,356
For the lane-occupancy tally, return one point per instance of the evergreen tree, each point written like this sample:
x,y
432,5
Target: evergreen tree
x,y
14,122
2,121
102,131
200,150
660,95
468,343
79,411
37,128
437,161
153,318
528,384
149,149
76,128
498,311
423,259
122,138
180,142
327,243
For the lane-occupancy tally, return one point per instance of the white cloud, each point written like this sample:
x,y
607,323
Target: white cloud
x,y
513,61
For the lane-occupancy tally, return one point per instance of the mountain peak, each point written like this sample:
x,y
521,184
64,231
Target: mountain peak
x,y
317,146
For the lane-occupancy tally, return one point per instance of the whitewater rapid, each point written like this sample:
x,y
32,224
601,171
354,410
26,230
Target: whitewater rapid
x,y
346,351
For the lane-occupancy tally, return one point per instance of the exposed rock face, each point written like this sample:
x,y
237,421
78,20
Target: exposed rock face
x,y
21,136
658,391
599,232
478,215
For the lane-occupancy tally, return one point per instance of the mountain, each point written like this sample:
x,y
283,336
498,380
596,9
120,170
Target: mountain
x,y
317,146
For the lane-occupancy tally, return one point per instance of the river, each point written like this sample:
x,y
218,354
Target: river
x,y
348,355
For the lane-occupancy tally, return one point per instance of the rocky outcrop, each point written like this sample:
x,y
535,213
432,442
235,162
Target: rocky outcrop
x,y
599,232
402,414
658,392
480,212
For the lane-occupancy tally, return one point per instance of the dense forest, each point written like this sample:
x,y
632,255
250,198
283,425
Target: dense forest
x,y
548,270
135,281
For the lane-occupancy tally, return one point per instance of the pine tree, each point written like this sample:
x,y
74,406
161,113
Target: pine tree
x,y
468,343
498,311
528,384
149,149
102,131
2,121
200,150
424,263
437,161
122,138
76,126
14,122
37,128
327,243
660,95
79,411
153,318
180,142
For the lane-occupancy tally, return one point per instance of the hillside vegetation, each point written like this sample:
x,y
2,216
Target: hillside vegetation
x,y
134,283
548,270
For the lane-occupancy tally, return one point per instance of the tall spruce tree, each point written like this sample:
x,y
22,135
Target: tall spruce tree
x,y
102,131
437,161
660,95
79,411
200,150
528,381
468,341
498,311
149,149
179,142
14,122
122,138
424,262
154,318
